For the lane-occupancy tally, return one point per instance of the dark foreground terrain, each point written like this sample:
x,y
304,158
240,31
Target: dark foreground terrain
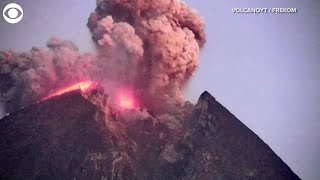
x,y
71,137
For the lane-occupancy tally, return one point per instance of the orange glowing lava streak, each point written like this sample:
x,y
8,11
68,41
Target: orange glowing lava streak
x,y
83,86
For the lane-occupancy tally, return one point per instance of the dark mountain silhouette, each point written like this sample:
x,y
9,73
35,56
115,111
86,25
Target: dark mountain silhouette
x,y
72,137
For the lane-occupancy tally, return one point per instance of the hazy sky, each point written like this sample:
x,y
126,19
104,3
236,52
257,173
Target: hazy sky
x,y
264,68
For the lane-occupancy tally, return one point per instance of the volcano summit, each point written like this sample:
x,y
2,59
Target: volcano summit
x,y
76,136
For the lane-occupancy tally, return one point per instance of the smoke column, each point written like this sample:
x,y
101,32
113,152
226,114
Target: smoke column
x,y
148,46
161,40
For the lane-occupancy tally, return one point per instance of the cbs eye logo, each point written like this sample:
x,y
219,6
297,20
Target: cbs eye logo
x,y
12,13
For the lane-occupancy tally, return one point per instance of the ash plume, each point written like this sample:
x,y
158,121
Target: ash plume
x,y
150,47
161,40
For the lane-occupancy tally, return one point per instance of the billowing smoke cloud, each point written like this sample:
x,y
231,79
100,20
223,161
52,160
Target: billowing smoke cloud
x,y
149,46
161,41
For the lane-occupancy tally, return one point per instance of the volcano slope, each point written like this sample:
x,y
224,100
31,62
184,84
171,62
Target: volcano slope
x,y
73,137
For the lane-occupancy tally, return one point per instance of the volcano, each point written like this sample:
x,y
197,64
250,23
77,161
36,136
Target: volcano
x,y
77,136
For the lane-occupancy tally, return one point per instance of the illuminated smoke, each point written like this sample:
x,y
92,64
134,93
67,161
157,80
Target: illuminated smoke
x,y
148,46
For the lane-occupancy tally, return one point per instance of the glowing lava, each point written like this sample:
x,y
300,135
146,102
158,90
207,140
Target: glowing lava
x,y
84,86
126,100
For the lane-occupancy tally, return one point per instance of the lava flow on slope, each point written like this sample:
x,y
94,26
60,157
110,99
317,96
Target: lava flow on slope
x,y
83,86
